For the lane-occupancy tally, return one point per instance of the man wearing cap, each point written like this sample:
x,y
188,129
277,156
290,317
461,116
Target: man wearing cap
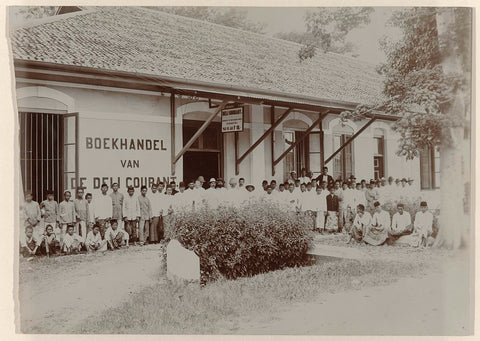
x,y
401,224
422,229
210,195
324,177
202,180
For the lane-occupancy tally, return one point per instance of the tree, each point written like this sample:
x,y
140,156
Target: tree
x,y
36,12
327,29
428,73
231,17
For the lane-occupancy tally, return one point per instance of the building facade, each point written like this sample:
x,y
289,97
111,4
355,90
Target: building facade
x,y
93,111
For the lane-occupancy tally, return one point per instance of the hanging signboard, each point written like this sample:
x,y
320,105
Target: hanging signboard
x,y
232,119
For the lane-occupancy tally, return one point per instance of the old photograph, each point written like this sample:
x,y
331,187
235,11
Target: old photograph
x,y
243,170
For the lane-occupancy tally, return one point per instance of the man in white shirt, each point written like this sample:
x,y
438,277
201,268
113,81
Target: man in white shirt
x,y
423,221
303,177
377,233
155,199
360,225
320,207
131,214
401,224
359,196
103,209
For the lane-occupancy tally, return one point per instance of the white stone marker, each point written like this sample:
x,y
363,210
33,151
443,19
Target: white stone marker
x,y
182,264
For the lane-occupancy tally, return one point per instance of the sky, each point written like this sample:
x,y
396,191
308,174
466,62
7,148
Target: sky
x,y
366,38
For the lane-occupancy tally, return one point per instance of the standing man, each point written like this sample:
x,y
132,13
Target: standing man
x,y
325,177
241,183
81,207
102,206
145,215
117,205
155,201
131,214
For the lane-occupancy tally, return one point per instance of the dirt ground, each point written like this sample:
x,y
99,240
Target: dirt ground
x,y
434,304
58,293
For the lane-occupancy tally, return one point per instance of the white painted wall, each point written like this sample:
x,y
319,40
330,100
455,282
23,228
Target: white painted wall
x,y
135,110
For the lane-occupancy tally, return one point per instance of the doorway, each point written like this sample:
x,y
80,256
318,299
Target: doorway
x,y
204,157
48,153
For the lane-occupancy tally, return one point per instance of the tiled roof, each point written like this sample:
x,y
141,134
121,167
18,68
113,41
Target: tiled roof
x,y
135,39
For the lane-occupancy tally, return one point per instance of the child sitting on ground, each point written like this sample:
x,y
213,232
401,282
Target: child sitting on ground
x,y
29,245
115,238
72,242
94,240
50,244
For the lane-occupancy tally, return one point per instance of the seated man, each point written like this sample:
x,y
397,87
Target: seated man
x,y
50,244
401,225
360,224
72,242
116,238
422,231
377,232
94,241
29,244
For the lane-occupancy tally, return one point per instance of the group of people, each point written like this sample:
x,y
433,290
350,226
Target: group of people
x,y
114,220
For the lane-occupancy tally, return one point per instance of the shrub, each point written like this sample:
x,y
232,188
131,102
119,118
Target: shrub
x,y
241,241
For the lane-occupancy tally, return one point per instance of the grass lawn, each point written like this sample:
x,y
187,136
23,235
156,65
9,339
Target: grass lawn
x,y
165,308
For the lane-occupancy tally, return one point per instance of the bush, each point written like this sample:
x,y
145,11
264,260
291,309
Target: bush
x,y
242,241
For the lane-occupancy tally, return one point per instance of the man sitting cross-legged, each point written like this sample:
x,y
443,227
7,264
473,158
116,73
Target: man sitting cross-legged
x,y
115,238
401,225
94,240
360,224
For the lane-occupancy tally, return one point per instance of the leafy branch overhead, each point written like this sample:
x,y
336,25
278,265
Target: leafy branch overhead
x,y
327,29
417,89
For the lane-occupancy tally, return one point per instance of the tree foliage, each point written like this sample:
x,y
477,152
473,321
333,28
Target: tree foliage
x,y
231,17
35,12
327,29
417,89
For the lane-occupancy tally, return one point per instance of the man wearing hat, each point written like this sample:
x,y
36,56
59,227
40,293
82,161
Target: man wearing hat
x,y
212,184
211,194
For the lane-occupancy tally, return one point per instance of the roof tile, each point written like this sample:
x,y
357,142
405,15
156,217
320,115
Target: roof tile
x,y
134,39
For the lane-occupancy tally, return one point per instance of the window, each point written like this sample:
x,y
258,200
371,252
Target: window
x,y
210,139
430,168
343,162
379,154
315,155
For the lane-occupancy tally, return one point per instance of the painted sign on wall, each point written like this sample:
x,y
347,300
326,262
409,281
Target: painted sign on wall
x,y
130,153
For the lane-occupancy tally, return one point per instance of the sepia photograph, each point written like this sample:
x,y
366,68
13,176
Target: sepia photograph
x,y
214,170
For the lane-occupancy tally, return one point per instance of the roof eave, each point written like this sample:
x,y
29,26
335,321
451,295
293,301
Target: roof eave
x,y
176,83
